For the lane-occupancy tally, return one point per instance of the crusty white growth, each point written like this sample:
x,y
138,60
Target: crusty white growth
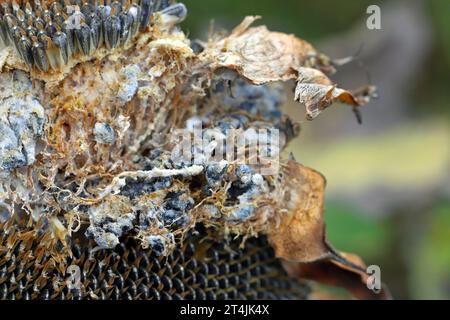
x,y
119,180
110,220
21,121
129,85
160,244
103,133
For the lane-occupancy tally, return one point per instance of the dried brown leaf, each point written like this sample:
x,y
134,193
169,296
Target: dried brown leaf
x,y
348,273
317,92
299,238
262,56
300,234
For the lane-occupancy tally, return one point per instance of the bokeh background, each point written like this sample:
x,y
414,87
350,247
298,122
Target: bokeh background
x,y
388,191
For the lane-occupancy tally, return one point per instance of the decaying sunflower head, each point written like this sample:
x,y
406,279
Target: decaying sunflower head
x,y
120,141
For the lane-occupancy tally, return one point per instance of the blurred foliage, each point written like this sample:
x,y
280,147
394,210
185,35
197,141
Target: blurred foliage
x,y
411,145
309,19
350,231
439,13
430,275
432,89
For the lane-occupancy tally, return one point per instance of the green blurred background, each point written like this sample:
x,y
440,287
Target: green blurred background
x,y
388,192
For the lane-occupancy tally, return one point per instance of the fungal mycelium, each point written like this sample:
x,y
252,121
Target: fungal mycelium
x,y
92,94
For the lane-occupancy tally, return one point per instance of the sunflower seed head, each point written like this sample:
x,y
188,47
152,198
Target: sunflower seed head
x,y
66,29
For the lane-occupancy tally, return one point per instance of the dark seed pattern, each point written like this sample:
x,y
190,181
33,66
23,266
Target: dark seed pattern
x,y
204,269
46,37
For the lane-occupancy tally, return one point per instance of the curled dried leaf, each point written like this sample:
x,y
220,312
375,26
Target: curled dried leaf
x,y
299,237
345,270
262,56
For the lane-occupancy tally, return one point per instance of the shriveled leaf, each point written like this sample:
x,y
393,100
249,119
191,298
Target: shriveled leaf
x,y
348,273
300,233
316,92
299,237
262,56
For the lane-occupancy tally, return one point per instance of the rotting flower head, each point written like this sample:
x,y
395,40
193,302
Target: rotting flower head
x,y
87,129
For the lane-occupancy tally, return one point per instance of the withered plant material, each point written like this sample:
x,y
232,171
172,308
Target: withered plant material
x,y
298,233
299,237
262,56
128,272
86,144
342,270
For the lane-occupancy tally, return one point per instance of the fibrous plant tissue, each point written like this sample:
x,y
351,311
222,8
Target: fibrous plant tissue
x,y
87,117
